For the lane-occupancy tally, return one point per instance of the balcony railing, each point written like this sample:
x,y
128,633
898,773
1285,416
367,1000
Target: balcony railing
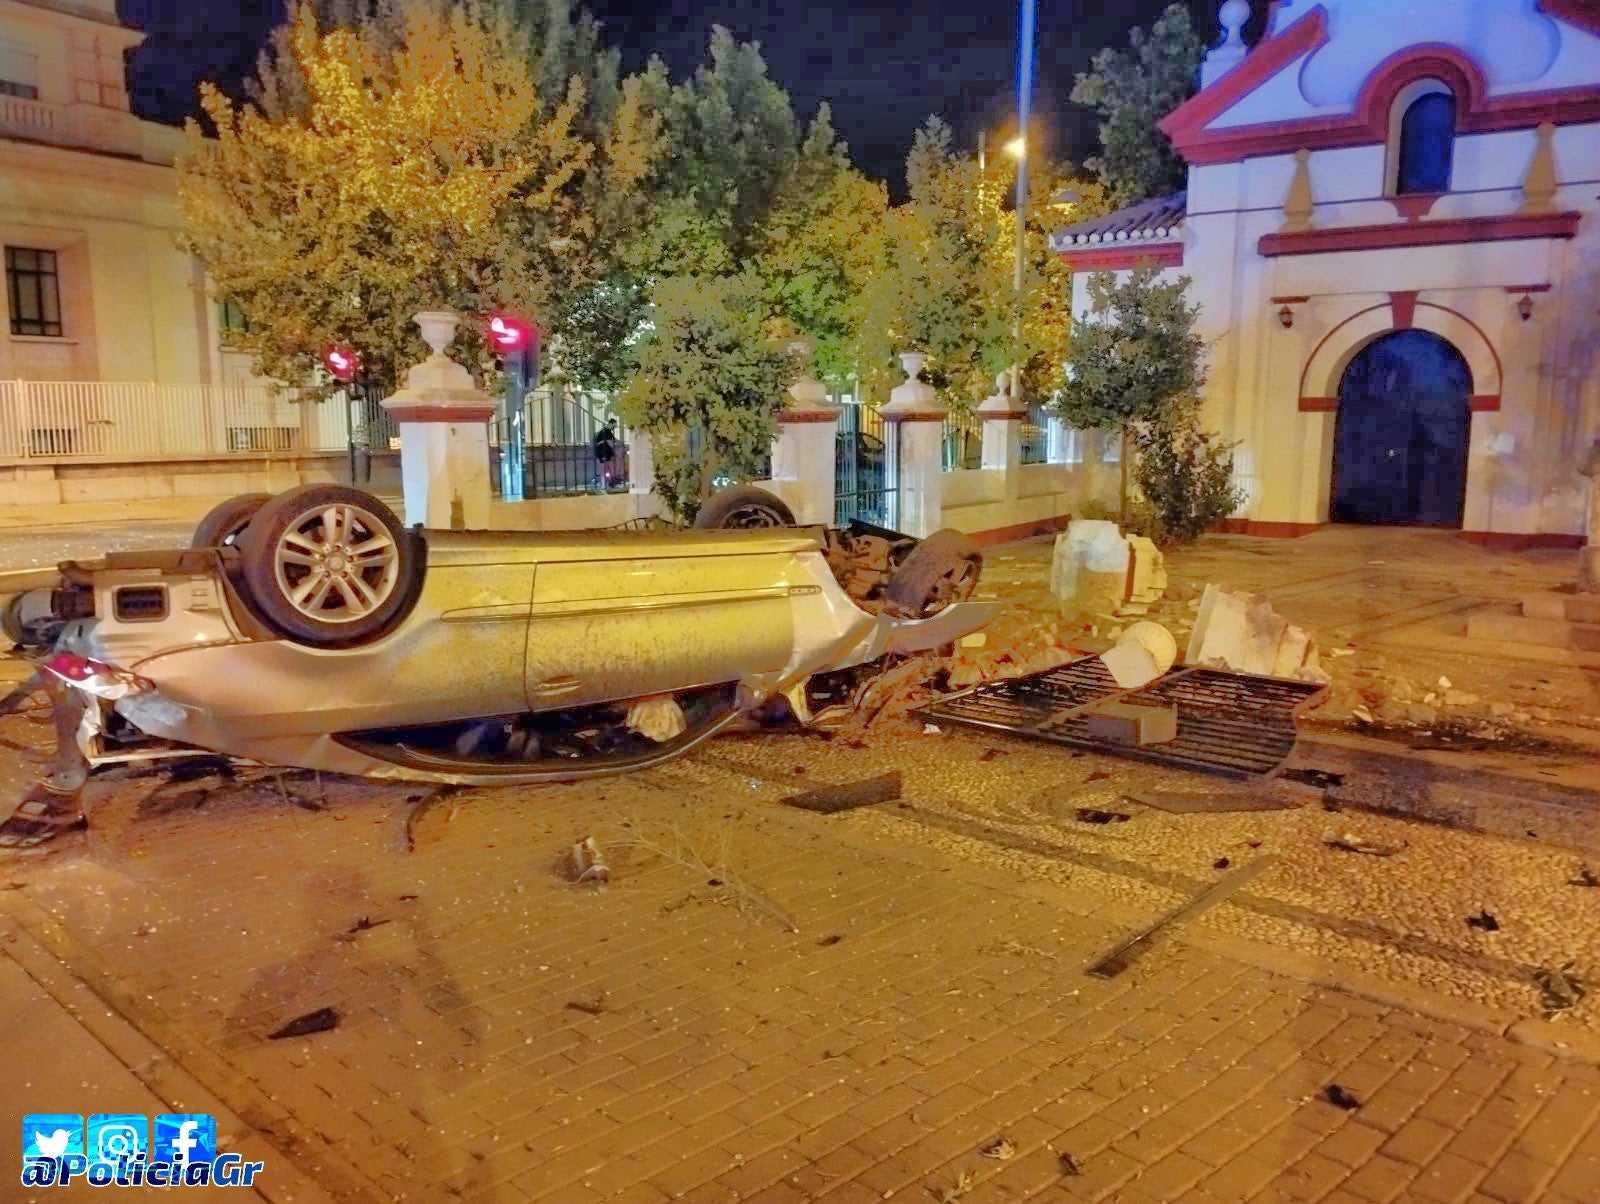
x,y
111,421
22,117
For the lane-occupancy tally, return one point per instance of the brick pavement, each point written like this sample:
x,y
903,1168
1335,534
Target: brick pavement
x,y
731,1059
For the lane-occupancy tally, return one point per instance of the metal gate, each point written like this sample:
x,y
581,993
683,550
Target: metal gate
x,y
862,486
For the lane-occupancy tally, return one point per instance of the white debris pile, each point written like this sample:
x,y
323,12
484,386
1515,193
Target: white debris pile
x,y
1243,633
1097,569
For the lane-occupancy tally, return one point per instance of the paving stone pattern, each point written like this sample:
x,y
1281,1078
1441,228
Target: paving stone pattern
x,y
731,1059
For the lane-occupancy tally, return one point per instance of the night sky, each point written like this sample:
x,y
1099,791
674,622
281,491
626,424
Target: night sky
x,y
883,66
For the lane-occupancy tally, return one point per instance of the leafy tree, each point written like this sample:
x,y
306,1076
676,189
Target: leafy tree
x,y
711,377
1136,359
945,278
404,158
1132,90
1186,477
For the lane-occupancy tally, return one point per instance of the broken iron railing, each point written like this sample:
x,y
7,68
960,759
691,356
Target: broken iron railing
x,y
1235,724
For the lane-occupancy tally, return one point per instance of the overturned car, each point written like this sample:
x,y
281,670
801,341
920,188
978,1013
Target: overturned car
x,y
313,630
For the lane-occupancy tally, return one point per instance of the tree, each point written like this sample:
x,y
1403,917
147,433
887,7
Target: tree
x,y
815,248
403,160
711,378
945,278
1132,90
1136,359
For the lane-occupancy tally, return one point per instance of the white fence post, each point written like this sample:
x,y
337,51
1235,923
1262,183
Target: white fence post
x,y
915,438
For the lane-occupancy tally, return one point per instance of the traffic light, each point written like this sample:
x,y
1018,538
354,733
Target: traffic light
x,y
342,363
508,335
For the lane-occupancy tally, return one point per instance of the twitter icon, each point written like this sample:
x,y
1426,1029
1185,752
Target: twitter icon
x,y
51,1135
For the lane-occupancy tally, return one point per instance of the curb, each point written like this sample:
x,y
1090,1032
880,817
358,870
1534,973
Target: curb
x,y
153,1065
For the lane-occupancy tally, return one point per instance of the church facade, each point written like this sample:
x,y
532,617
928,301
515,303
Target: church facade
x,y
1392,229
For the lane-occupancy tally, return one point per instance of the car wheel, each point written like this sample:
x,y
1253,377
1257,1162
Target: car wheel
x,y
743,507
330,566
940,571
225,522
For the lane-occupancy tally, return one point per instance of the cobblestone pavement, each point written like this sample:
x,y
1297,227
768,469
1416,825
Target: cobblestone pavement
x,y
764,1005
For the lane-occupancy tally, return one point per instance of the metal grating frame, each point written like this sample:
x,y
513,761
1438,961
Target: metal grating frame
x,y
1234,724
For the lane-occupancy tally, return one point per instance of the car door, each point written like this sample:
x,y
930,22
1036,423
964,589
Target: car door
x,y
613,627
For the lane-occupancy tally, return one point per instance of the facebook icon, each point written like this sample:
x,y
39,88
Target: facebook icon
x,y
184,1140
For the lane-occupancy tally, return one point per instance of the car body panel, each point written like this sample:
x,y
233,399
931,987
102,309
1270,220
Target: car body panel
x,y
505,624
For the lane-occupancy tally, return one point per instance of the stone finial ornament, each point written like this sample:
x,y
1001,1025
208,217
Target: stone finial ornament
x,y
807,393
1230,52
1299,205
1539,185
914,395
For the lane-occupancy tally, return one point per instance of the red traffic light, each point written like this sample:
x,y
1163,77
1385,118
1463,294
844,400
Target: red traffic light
x,y
342,363
508,335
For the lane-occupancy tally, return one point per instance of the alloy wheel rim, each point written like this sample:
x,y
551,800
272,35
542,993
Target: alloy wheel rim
x,y
337,564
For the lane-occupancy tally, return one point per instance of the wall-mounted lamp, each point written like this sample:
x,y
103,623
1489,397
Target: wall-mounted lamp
x,y
1286,318
1525,306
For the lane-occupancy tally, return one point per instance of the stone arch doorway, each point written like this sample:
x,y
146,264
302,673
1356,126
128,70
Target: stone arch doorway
x,y
1400,440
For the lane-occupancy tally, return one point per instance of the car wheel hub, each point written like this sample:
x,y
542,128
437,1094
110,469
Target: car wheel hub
x,y
337,564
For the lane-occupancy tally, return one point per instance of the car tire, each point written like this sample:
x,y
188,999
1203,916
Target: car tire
x,y
939,572
225,522
330,566
743,507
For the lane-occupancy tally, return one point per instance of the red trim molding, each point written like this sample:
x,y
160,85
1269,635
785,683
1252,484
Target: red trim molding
x,y
1415,206
1519,541
1516,290
1268,530
1007,417
1043,526
914,415
788,417
1186,124
1404,309
1100,258
1318,405
1447,232
1583,13
1290,300
1368,123
460,415
1484,403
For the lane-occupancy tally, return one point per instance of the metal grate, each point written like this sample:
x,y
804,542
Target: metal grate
x,y
1229,723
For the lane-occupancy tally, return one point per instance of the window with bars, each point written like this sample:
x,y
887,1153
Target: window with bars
x,y
11,87
230,318
33,292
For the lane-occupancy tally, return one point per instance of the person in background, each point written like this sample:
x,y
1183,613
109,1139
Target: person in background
x,y
605,451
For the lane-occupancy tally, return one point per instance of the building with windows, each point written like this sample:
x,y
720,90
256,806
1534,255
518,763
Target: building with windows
x,y
1392,229
113,379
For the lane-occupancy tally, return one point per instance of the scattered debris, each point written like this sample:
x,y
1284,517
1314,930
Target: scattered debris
x,y
1069,1164
320,1021
41,816
1000,1149
589,1007
1354,844
832,799
1132,723
426,803
965,1181
1586,877
1242,632
1092,815
1485,921
833,938
931,729
1340,1097
1125,954
994,754
1559,989
583,863
364,924
659,718
1097,775
1196,803
1320,778
1221,863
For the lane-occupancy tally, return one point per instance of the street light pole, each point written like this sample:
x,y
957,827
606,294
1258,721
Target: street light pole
x,y
1024,99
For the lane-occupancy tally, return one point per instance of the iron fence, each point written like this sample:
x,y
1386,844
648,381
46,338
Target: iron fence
x,y
1036,436
112,420
863,485
572,444
963,442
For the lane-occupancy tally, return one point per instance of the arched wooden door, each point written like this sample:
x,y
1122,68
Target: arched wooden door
x,y
1400,441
